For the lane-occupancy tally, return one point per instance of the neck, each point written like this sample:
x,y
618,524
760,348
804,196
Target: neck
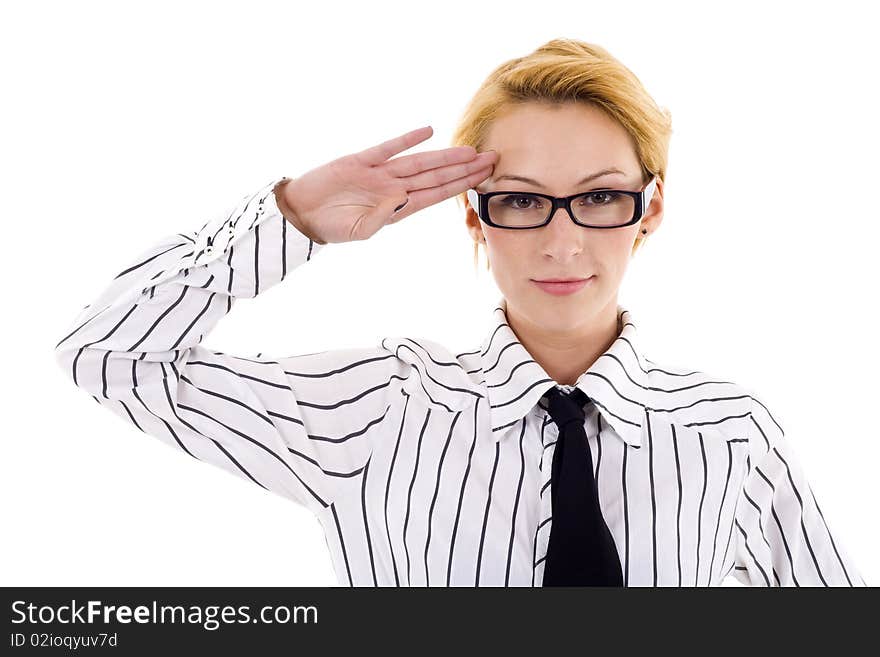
x,y
566,353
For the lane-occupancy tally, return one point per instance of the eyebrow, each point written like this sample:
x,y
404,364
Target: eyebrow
x,y
592,176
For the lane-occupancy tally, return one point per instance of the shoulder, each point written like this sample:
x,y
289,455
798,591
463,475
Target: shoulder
x,y
765,424
703,398
434,374
710,399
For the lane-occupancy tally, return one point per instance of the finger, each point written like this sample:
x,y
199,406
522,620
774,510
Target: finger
x,y
381,152
442,175
422,198
410,165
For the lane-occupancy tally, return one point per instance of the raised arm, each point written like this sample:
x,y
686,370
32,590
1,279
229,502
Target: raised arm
x,y
136,350
300,426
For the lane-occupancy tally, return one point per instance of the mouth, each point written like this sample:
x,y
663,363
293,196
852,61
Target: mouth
x,y
561,280
561,286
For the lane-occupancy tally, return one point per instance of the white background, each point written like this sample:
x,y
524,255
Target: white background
x,y
124,122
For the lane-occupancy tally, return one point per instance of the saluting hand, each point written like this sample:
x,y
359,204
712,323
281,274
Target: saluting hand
x,y
352,197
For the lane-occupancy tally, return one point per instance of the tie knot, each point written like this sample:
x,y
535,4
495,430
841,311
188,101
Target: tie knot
x,y
565,407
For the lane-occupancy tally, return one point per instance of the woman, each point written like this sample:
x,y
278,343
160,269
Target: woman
x,y
554,452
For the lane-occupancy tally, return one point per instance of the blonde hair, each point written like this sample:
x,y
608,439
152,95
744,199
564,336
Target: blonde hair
x,y
568,70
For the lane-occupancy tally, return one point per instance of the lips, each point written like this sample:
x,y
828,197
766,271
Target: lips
x,y
560,280
567,286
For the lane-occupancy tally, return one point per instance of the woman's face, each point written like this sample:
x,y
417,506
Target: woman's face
x,y
557,146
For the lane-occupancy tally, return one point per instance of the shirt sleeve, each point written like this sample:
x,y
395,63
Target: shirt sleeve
x,y
299,426
782,536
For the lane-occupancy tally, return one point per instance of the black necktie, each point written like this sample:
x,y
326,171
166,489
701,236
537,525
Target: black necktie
x,y
581,551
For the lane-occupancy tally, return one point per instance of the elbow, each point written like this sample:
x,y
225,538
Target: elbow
x,y
66,358
82,366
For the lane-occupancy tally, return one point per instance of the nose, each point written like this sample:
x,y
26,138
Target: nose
x,y
561,225
561,238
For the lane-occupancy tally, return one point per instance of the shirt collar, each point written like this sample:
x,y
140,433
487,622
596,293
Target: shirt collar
x,y
515,382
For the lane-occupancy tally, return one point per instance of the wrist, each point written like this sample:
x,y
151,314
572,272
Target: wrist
x,y
287,212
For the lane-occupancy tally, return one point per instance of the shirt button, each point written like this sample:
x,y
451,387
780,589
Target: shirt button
x,y
209,250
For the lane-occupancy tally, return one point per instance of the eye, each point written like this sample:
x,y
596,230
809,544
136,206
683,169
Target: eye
x,y
600,197
519,201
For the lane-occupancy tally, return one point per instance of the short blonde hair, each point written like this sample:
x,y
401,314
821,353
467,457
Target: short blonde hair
x,y
568,70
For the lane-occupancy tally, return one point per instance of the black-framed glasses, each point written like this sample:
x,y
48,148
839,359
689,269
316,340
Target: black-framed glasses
x,y
601,208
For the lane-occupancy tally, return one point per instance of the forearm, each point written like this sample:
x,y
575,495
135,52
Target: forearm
x,y
171,297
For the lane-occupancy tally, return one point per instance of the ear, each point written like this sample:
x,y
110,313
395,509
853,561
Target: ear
x,y
654,216
473,223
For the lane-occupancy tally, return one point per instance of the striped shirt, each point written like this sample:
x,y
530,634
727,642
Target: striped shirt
x,y
427,468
